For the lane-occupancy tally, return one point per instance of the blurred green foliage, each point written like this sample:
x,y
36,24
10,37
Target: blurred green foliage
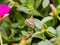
x,y
46,27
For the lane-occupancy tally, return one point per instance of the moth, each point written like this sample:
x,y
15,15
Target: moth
x,y
30,22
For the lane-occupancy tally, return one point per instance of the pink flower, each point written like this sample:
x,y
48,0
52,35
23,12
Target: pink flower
x,y
53,7
4,9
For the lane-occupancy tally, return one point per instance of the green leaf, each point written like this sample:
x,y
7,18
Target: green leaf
x,y
38,23
4,34
52,22
37,29
34,44
45,3
24,9
53,40
38,35
14,25
15,39
58,30
46,42
19,17
37,3
20,20
29,11
29,41
51,29
13,32
58,8
30,2
35,12
25,33
21,24
27,2
44,20
23,1
6,26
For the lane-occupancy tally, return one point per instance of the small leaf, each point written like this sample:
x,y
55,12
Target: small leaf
x,y
53,40
14,25
23,1
29,41
44,20
21,24
58,8
38,23
15,39
19,17
25,33
45,3
58,30
51,32
37,3
4,34
38,35
29,11
30,2
35,12
51,29
46,42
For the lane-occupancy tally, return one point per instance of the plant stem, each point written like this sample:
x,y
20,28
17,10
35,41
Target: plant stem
x,y
1,39
11,4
